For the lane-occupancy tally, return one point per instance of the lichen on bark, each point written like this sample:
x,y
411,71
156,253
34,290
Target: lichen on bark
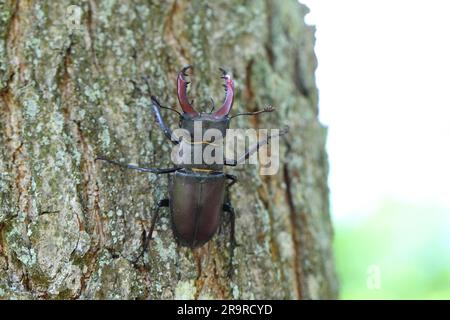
x,y
70,228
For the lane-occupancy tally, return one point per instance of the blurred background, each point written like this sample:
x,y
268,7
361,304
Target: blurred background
x,y
384,77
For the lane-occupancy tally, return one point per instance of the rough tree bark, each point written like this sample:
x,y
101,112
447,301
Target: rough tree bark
x,y
70,227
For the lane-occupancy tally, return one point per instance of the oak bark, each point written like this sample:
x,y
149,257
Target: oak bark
x,y
71,79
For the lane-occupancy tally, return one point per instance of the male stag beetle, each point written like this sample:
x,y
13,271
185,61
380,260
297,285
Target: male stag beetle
x,y
198,193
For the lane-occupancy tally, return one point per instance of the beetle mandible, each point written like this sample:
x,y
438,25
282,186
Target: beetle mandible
x,y
198,193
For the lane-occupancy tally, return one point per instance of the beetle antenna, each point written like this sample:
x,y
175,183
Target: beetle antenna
x,y
150,93
171,109
254,113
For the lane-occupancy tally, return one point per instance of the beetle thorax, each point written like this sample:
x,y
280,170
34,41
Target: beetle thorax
x,y
202,142
204,126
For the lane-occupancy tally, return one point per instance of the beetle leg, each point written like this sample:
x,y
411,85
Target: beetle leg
x,y
164,203
227,207
231,177
254,148
156,106
133,167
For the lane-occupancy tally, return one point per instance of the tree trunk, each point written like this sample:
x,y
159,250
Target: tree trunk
x,y
71,227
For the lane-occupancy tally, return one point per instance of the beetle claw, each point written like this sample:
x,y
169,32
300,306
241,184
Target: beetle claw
x,y
186,68
224,75
224,72
229,95
182,88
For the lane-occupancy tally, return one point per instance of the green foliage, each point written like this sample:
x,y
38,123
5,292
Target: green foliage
x,y
408,243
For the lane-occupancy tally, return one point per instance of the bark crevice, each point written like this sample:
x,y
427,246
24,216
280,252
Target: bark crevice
x,y
298,268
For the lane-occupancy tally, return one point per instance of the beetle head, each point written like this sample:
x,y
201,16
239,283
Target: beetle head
x,y
191,119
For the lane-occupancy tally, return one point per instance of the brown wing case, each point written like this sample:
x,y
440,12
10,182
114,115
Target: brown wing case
x,y
196,204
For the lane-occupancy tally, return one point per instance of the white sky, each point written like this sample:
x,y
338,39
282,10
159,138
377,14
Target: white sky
x,y
384,81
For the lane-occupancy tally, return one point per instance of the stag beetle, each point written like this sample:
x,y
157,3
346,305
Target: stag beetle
x,y
198,194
